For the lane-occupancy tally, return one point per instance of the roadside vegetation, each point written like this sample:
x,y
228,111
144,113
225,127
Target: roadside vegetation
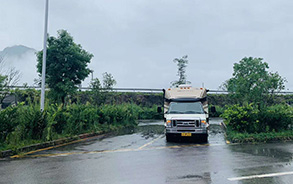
x,y
255,115
83,112
68,111
26,124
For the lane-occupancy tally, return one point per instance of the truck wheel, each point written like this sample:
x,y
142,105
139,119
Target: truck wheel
x,y
205,138
168,138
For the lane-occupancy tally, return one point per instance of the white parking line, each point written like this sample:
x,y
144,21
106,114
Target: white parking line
x,y
260,176
149,143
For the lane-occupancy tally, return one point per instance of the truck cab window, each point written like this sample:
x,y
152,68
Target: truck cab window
x,y
185,108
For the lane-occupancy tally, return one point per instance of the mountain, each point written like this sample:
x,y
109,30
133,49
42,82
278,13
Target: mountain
x,y
23,59
16,51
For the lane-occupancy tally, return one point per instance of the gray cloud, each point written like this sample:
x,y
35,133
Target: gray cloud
x,y
137,40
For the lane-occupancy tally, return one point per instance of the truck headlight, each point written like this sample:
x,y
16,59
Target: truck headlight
x,y
204,123
168,123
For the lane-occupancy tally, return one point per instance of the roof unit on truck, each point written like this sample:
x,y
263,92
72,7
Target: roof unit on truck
x,y
185,92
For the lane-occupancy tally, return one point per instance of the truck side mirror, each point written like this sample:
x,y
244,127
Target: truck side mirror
x,y
213,109
159,109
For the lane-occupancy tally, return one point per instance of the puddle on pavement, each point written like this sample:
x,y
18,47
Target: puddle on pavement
x,y
149,130
267,150
216,134
146,130
263,159
205,178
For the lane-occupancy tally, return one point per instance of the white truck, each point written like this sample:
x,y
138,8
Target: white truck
x,y
186,113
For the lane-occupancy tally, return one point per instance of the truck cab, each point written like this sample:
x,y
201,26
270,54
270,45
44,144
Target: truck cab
x,y
186,113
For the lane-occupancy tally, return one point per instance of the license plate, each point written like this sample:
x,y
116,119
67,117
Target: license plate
x,y
186,134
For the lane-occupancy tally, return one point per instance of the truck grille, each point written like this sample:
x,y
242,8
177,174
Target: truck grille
x,y
186,125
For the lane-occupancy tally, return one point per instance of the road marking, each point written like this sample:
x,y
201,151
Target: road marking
x,y
117,151
180,146
149,143
44,149
77,153
143,147
51,147
261,176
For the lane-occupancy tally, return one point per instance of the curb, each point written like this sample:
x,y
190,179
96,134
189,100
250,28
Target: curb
x,y
33,147
224,128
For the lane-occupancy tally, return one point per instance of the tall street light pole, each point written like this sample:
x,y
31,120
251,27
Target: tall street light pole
x,y
44,57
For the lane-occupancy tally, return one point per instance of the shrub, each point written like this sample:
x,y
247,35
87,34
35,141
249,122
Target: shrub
x,y
29,124
33,121
124,113
56,121
277,117
80,118
242,118
219,111
24,124
8,121
248,118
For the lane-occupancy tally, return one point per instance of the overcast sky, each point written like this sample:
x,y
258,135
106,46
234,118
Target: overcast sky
x,y
137,40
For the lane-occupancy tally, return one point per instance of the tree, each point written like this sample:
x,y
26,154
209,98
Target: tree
x,y
108,81
10,78
99,92
181,64
96,89
67,65
95,84
2,88
252,82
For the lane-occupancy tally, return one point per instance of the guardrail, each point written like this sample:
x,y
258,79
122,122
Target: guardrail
x,y
142,90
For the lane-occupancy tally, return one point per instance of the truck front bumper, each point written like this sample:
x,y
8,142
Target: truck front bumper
x,y
193,132
174,137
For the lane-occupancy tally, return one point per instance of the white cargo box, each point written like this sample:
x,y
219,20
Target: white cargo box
x,y
185,92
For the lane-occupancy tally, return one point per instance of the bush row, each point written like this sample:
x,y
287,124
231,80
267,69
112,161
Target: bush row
x,y
236,137
250,118
219,111
21,123
96,98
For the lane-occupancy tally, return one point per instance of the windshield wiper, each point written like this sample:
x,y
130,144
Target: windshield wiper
x,y
193,112
174,112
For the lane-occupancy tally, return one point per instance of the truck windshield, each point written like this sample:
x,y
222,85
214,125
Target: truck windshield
x,y
185,108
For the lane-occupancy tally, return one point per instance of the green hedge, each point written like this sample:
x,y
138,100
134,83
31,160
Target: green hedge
x,y
251,119
219,111
22,123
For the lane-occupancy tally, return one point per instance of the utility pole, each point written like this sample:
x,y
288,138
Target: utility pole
x,y
44,57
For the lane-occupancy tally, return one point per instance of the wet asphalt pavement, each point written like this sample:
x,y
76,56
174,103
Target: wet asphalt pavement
x,y
144,156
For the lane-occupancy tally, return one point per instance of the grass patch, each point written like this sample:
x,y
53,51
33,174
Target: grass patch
x,y
236,137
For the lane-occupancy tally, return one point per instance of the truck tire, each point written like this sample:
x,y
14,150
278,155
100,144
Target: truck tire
x,y
168,138
205,138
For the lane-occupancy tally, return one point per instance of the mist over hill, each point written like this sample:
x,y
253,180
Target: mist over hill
x,y
21,58
17,51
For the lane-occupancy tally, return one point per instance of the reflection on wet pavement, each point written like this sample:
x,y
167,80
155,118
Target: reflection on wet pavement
x,y
205,178
279,153
262,159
